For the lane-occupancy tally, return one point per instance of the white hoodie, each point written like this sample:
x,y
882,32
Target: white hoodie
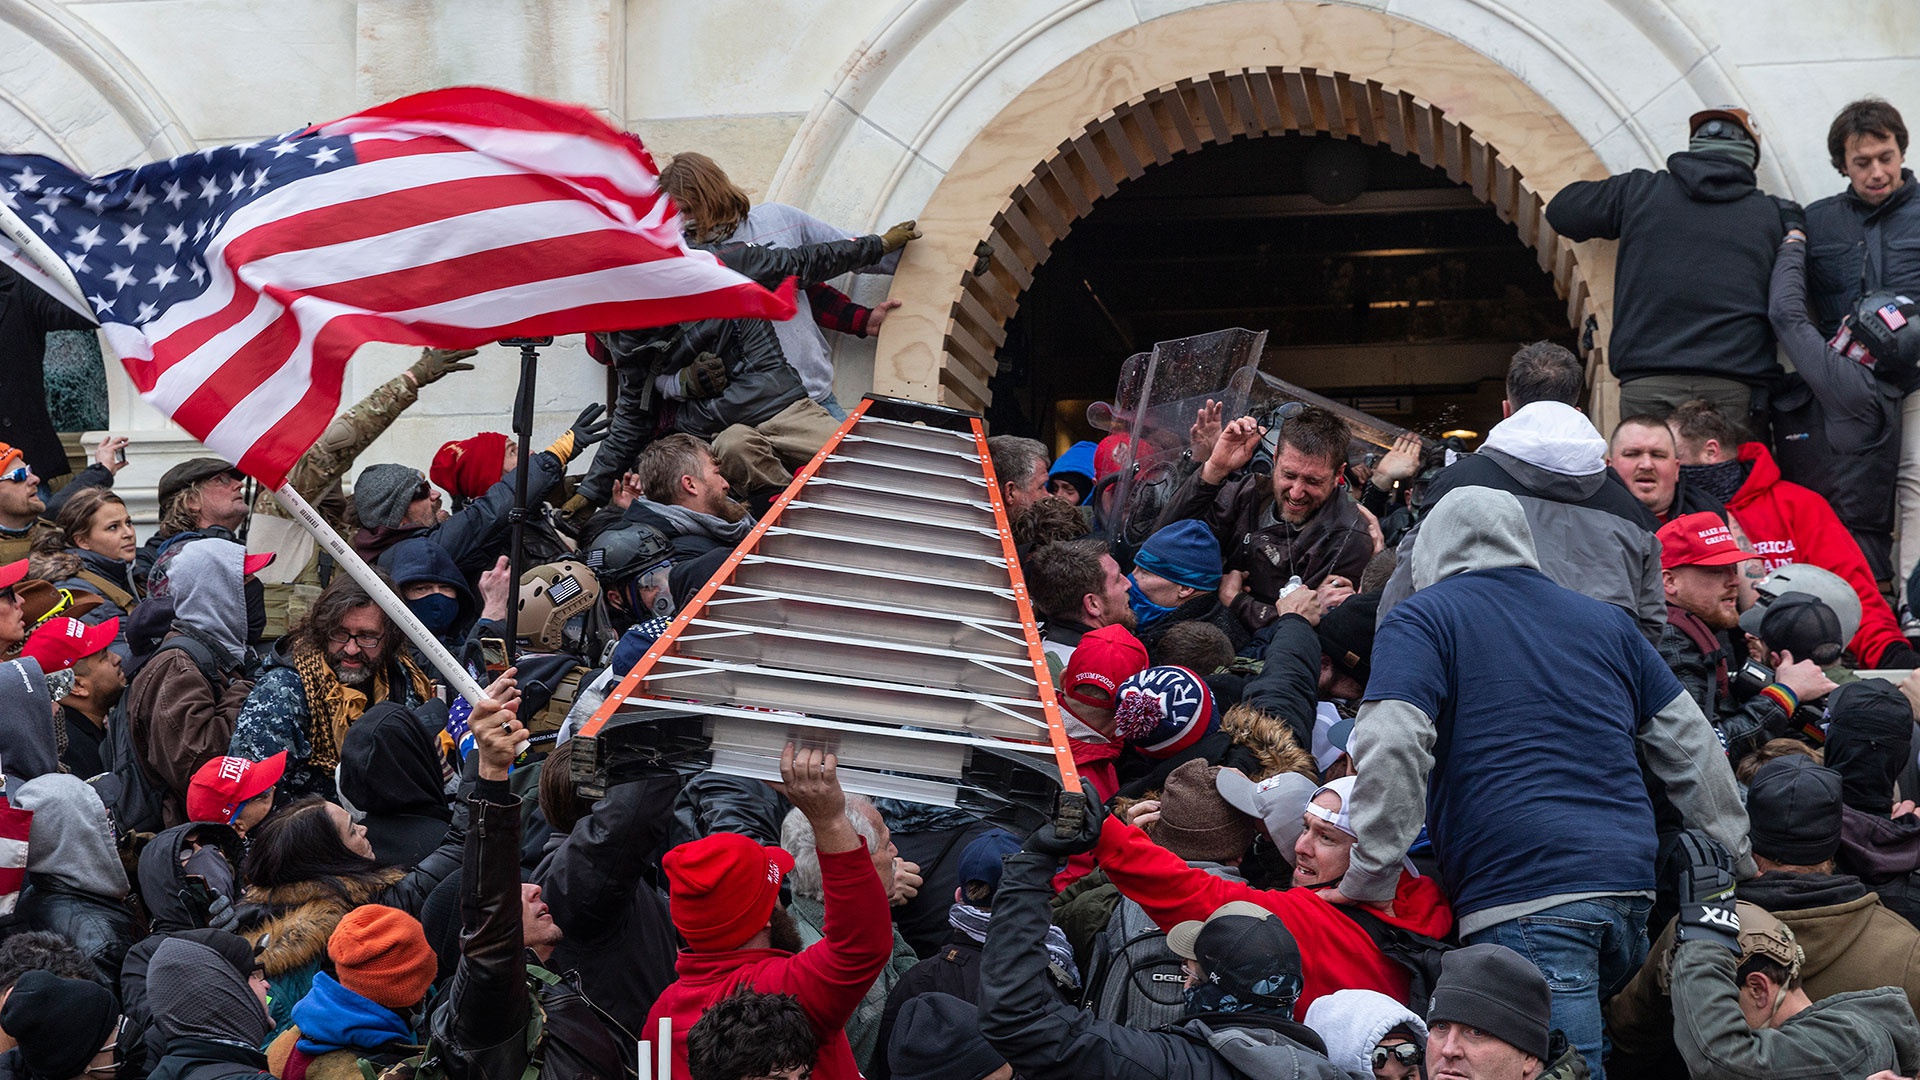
x,y
1555,437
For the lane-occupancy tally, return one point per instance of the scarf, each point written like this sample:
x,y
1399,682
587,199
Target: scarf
x,y
1722,481
972,921
332,705
1145,610
332,1017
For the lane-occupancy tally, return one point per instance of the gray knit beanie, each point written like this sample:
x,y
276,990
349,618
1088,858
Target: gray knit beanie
x,y
383,493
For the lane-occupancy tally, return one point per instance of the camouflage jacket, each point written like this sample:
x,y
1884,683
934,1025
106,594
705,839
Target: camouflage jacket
x,y
317,475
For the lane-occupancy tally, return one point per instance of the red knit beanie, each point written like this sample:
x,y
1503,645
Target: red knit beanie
x,y
468,467
381,953
721,889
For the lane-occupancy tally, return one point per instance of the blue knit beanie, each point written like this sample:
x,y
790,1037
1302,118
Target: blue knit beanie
x,y
1185,553
1077,465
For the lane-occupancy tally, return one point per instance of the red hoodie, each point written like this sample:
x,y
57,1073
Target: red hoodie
x,y
1335,953
1791,524
830,977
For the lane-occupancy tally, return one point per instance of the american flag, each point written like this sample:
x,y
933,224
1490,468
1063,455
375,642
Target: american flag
x,y
235,282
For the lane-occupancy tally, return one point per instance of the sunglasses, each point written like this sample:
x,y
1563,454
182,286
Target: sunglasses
x,y
18,474
1407,1053
7,595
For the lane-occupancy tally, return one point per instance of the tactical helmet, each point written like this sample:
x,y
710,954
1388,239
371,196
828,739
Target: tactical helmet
x,y
549,596
626,550
1763,935
1881,334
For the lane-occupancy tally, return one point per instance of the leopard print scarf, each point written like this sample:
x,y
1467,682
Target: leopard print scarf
x,y
332,706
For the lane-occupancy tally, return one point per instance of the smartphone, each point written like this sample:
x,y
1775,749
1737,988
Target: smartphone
x,y
120,456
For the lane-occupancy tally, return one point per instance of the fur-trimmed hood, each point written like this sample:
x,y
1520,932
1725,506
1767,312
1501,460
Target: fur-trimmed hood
x,y
54,565
291,924
1270,740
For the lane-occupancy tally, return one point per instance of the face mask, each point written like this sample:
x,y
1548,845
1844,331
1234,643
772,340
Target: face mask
x,y
436,611
1144,609
256,594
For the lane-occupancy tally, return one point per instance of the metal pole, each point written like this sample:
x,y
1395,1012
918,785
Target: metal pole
x,y
517,517
450,669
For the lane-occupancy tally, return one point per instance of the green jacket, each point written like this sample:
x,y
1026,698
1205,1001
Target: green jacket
x,y
1847,1035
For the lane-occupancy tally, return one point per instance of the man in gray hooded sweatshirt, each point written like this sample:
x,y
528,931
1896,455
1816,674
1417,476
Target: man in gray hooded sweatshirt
x,y
77,886
1505,711
183,703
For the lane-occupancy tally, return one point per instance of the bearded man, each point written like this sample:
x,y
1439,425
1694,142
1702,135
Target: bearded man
x,y
341,659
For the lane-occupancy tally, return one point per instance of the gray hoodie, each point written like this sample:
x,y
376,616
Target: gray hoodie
x,y
1352,1023
694,523
70,840
1476,529
28,746
209,594
195,993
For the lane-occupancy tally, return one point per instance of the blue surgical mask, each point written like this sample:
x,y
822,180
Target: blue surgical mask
x,y
1145,610
436,611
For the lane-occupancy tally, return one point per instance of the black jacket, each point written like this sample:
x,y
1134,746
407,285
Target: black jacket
x,y
390,772
205,1059
26,316
100,928
954,969
761,381
619,938
1690,279
712,802
482,1020
1855,249
1043,1037
1836,426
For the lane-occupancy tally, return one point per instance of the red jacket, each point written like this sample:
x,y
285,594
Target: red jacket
x,y
1096,764
1791,524
1335,953
830,977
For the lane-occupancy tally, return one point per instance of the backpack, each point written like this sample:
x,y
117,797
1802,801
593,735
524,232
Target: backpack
x,y
1417,953
1132,977
136,797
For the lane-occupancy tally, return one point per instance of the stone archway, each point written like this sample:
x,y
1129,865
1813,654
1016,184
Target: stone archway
x,y
1190,115
1173,84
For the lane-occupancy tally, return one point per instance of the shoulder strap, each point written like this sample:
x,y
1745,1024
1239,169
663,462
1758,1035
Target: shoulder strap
x,y
201,654
120,597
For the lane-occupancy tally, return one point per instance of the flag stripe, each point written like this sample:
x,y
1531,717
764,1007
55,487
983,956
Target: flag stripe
x,y
238,282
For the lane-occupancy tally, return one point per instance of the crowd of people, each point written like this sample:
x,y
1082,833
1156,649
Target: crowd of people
x,y
1550,760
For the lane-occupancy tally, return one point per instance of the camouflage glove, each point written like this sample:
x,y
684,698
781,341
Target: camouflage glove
x,y
896,238
436,364
704,378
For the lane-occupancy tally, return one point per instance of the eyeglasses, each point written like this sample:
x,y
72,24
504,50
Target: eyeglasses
x,y
367,642
1409,1055
7,595
18,474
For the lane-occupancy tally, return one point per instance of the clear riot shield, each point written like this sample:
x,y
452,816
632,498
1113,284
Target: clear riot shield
x,y
1154,406
1263,396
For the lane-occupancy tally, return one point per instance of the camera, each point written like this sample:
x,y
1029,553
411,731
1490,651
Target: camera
x,y
1752,677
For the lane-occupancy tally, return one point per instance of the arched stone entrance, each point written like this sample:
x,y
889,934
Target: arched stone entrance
x,y
1160,89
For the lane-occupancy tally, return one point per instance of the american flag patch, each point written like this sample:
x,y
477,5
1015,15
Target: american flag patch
x,y
563,590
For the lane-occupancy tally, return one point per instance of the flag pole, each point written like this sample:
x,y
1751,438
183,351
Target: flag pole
x,y
382,594
450,669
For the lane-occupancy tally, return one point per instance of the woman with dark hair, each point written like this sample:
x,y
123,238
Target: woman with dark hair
x,y
91,549
307,866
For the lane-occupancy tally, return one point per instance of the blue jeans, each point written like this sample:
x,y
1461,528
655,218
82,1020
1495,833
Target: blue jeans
x,y
1587,950
832,405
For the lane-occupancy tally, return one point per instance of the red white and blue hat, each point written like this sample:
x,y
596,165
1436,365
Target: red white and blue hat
x,y
1163,711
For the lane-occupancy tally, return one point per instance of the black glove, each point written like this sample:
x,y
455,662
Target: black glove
x,y
1899,657
704,378
982,258
1706,892
591,426
1050,841
1792,216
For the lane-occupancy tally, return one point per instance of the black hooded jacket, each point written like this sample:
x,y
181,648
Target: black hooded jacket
x,y
761,381
390,771
1691,278
619,937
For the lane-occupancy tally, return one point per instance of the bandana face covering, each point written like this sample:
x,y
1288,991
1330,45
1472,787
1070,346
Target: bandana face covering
x,y
1144,609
